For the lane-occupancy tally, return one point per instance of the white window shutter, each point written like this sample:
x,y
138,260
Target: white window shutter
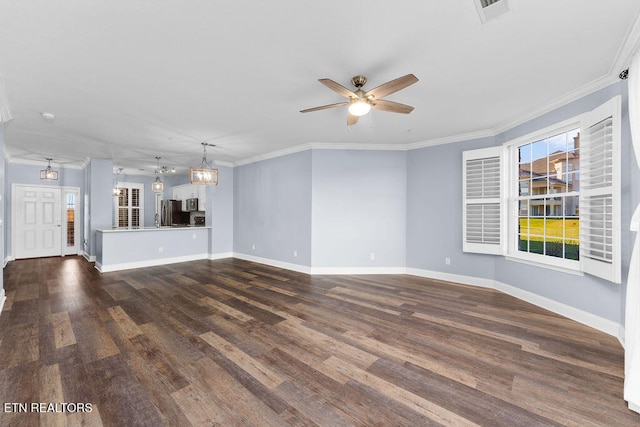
x,y
600,192
482,193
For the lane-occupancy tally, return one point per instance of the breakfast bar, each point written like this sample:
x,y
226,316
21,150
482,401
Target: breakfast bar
x,y
127,248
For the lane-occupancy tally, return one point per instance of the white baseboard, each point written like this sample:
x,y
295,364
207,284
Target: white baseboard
x,y
356,270
3,298
90,258
149,263
603,325
6,260
449,277
600,323
280,264
221,255
634,407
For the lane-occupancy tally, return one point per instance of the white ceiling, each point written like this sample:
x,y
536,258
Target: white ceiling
x,y
131,80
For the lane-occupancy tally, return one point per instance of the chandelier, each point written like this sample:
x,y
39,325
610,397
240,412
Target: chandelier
x,y
49,174
157,186
204,174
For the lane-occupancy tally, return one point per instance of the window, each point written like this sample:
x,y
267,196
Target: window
x,y
548,189
557,201
71,214
129,205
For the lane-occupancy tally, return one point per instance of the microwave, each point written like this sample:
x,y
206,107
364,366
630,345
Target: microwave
x,y
191,204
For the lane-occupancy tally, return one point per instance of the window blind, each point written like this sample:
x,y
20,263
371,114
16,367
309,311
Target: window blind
x,y
482,213
600,192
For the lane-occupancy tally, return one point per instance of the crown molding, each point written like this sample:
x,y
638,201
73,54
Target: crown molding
x,y
629,48
41,163
556,103
451,139
274,154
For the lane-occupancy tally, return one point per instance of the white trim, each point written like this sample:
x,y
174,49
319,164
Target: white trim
x,y
356,270
450,277
486,133
603,325
357,146
41,163
90,258
7,259
633,407
3,298
627,49
274,154
149,263
600,323
220,255
521,259
274,263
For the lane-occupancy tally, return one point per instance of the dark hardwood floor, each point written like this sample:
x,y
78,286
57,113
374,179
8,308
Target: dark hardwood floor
x,y
231,342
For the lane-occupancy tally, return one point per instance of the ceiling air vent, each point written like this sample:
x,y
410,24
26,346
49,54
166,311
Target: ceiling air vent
x,y
490,9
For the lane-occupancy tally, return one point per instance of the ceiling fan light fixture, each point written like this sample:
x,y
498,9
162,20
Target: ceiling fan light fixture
x,y
359,107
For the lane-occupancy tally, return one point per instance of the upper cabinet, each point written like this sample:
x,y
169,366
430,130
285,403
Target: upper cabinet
x,y
190,191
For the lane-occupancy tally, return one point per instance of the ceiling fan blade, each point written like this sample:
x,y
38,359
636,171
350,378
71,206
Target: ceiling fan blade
x,y
324,107
338,88
393,107
391,87
351,119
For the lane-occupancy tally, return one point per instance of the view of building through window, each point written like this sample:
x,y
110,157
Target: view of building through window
x,y
548,196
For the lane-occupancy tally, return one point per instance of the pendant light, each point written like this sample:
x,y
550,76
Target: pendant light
x,y
157,186
204,174
116,189
48,174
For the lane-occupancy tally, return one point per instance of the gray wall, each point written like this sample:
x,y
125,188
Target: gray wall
x,y
434,211
17,173
100,208
272,208
359,208
434,221
219,211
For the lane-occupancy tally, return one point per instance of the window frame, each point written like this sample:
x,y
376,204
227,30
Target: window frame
x,y
600,196
129,186
512,188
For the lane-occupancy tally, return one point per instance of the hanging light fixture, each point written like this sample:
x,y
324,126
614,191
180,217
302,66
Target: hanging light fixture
x,y
116,189
204,174
157,186
49,174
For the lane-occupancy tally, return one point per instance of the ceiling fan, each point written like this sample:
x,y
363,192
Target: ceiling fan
x,y
360,102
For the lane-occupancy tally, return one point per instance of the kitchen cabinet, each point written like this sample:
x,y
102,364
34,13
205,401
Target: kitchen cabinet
x,y
190,191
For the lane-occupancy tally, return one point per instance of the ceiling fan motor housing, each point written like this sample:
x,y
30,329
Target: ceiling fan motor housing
x,y
359,81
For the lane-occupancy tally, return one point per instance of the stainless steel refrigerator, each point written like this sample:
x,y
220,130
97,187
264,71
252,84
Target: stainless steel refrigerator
x,y
171,213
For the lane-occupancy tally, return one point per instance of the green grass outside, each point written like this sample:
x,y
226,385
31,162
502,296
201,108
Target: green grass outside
x,y
533,231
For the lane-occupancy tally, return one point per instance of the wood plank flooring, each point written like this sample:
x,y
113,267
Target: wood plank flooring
x,y
230,342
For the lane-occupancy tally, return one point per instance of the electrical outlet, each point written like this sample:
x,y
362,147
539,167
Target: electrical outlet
x,y
253,246
295,254
194,236
372,256
447,261
160,249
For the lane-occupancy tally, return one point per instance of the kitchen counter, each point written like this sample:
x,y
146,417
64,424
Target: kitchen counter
x,y
161,228
127,248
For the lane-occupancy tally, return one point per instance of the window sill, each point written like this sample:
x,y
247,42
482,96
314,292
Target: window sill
x,y
569,270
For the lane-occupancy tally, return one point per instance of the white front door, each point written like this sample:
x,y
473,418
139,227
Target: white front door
x,y
37,221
